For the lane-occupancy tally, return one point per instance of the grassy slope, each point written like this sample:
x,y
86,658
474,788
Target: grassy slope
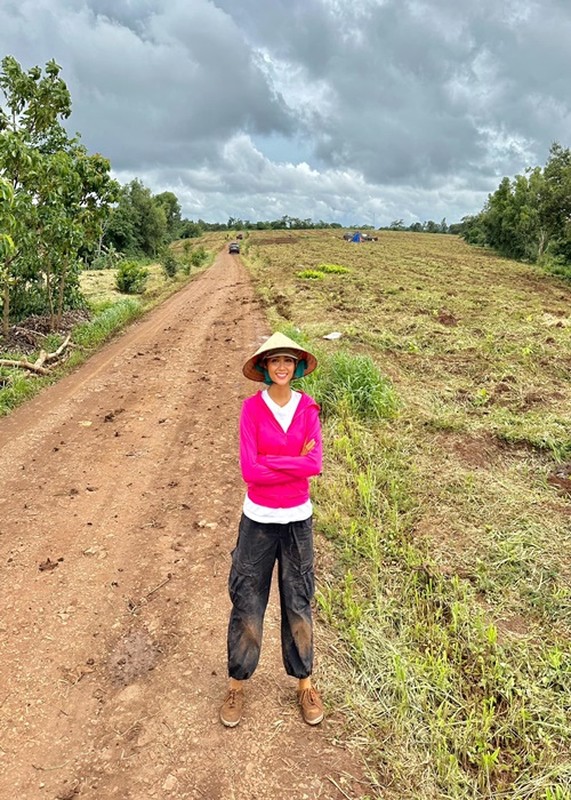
x,y
448,578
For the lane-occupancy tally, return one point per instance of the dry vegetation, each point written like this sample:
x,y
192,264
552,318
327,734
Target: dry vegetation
x,y
447,580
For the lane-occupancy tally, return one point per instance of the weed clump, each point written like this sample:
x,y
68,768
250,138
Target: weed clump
x,y
319,272
311,274
333,269
352,385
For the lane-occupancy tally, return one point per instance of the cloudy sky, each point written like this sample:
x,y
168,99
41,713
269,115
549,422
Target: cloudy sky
x,y
343,110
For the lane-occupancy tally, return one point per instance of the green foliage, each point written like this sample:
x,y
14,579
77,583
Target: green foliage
x,y
333,269
107,258
321,271
427,667
108,318
529,217
310,274
190,230
170,264
61,194
168,201
348,385
139,223
131,277
15,388
198,256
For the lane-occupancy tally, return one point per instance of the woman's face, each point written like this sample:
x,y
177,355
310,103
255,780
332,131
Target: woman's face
x,y
280,369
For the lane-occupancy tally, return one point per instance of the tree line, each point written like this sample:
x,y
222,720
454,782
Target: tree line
x,y
529,217
141,223
428,226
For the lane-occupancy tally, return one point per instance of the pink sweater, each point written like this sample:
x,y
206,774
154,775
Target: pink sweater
x,y
276,474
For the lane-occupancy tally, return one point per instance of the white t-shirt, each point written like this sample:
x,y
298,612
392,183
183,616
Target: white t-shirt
x,y
284,416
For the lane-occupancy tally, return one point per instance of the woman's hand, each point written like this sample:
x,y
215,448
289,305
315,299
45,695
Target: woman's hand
x,y
307,447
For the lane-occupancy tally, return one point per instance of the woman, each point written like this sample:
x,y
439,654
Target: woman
x,y
280,449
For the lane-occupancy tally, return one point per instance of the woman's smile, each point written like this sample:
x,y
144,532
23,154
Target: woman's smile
x,y
280,368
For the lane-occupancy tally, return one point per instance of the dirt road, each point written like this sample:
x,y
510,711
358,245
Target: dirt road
x,y
120,497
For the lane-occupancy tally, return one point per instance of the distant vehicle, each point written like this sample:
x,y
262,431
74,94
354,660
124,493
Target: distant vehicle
x,y
233,247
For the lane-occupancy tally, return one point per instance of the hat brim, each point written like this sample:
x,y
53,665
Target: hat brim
x,y
251,371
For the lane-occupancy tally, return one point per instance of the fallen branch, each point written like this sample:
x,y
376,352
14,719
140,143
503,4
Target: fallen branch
x,y
38,365
7,362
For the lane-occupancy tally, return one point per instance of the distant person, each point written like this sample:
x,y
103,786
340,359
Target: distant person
x,y
280,449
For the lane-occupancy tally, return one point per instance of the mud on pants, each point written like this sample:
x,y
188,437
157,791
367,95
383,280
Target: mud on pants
x,y
259,546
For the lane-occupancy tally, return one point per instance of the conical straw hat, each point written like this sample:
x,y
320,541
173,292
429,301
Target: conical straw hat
x,y
277,344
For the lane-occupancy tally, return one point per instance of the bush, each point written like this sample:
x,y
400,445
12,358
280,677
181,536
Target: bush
x,y
198,256
131,278
170,264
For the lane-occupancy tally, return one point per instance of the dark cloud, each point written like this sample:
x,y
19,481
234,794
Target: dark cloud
x,y
154,86
313,108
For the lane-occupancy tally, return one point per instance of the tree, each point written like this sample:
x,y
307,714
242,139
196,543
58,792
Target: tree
x,y
7,246
190,230
60,195
529,216
168,201
138,225
30,129
555,198
71,202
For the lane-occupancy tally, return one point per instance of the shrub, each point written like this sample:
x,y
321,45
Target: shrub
x,y
198,256
170,264
131,277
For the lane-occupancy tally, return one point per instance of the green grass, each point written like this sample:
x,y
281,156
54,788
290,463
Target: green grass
x,y
444,556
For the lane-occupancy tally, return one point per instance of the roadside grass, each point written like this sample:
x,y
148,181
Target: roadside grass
x,y
110,311
444,560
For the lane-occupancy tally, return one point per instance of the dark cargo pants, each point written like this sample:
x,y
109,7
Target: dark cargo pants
x,y
258,547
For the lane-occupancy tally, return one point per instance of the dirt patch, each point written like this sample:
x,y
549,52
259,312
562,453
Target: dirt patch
x,y
477,451
133,656
447,318
560,478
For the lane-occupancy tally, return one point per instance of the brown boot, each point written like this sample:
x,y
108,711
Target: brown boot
x,y
311,705
231,711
